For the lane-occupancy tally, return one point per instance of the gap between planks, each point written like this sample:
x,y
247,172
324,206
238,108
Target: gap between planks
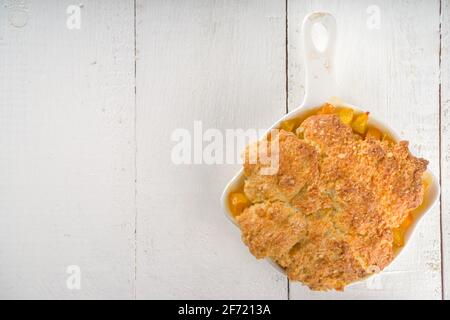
x,y
135,154
286,53
440,153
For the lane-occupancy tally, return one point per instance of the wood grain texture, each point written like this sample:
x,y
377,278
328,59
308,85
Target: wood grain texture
x,y
222,63
67,150
393,72
445,143
72,145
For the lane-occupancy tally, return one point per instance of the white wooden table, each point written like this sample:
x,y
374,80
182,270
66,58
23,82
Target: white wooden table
x,y
86,116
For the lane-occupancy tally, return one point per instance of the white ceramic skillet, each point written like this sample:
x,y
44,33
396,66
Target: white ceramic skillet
x,y
320,87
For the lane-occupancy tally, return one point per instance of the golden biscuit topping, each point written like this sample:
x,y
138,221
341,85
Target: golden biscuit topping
x,y
329,213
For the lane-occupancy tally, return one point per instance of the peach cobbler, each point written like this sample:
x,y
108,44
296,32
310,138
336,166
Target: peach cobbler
x,y
338,206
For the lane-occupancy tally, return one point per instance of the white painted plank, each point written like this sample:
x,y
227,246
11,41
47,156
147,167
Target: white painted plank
x,y
221,62
394,73
67,150
445,144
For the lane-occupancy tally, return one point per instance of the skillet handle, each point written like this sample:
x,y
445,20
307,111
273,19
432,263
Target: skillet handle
x,y
320,83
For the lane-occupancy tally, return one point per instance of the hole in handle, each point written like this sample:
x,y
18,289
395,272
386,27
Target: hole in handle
x,y
319,36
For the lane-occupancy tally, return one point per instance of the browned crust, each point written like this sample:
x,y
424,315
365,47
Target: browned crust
x,y
327,215
298,166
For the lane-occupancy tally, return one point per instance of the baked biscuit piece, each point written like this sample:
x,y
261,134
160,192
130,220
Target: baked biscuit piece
x,y
358,211
329,258
271,229
361,223
373,251
388,171
324,265
297,168
328,133
398,181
